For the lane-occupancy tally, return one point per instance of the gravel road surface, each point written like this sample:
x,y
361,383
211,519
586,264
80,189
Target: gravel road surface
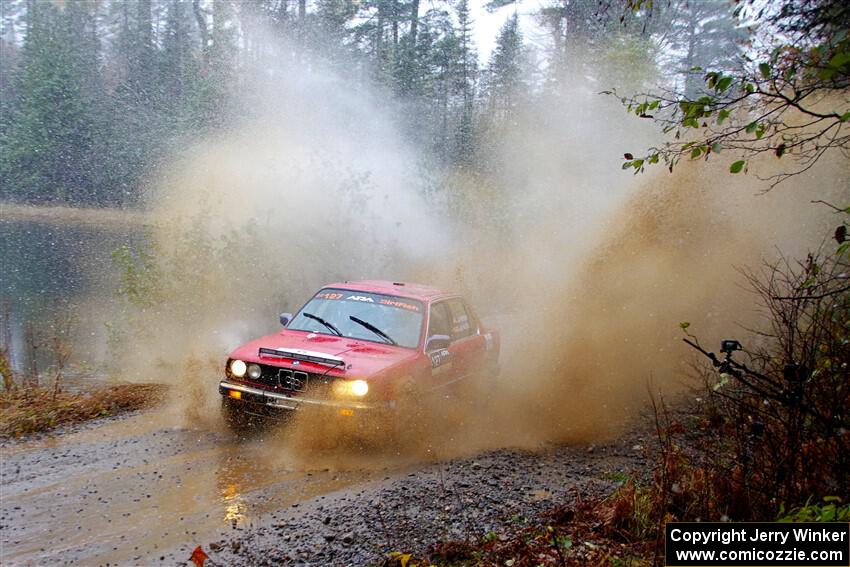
x,y
143,491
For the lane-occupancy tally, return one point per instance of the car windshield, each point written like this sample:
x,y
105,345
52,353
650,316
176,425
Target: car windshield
x,y
330,310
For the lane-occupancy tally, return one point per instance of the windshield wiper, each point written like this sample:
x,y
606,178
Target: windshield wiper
x,y
333,329
374,329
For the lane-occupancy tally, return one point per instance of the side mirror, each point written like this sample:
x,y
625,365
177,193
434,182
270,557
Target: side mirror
x,y
436,342
285,318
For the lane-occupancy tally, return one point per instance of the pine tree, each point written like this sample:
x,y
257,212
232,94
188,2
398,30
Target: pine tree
x,y
505,73
704,35
50,127
180,73
138,124
10,14
465,83
436,55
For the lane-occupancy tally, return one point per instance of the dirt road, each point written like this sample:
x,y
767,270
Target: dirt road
x,y
127,491
143,491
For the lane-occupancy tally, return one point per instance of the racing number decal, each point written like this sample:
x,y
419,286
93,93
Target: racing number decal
x,y
441,361
390,301
328,295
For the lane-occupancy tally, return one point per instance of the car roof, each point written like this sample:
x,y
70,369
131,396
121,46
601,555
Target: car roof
x,y
402,289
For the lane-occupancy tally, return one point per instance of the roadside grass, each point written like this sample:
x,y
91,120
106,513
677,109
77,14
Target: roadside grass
x,y
24,411
588,532
626,528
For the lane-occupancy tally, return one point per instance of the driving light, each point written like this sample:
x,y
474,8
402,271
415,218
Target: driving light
x,y
350,388
254,371
359,387
238,368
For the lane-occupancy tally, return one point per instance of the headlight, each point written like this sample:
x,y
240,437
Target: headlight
x,y
359,387
348,388
254,371
238,368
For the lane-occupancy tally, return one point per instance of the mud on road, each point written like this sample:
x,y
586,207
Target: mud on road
x,y
143,491
129,490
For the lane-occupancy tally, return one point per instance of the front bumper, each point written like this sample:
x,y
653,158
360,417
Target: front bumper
x,y
279,400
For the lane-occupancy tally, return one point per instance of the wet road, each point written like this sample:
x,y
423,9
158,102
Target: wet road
x,y
127,491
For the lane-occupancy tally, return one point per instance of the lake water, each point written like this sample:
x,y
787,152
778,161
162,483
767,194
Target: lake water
x,y
54,264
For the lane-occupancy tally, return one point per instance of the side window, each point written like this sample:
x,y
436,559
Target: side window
x,y
462,323
473,319
440,322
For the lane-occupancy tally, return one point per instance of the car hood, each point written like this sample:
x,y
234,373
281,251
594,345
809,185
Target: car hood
x,y
362,358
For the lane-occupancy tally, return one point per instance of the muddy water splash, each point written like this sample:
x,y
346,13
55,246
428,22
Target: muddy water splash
x,y
601,321
587,269
315,185
596,280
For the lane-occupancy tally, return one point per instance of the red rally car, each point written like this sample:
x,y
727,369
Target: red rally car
x,y
360,347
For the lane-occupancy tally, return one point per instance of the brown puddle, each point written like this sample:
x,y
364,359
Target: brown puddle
x,y
130,490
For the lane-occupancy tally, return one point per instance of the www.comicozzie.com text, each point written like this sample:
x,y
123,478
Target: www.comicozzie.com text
x,y
744,534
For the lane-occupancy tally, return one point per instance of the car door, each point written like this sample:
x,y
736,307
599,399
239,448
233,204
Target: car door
x,y
468,346
452,362
437,349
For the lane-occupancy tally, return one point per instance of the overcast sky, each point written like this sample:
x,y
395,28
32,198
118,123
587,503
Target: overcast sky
x,y
487,25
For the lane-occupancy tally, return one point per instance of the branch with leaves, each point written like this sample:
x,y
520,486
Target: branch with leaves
x,y
795,102
784,402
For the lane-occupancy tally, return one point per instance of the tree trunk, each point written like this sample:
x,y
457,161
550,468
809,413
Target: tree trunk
x,y
379,32
125,36
202,27
31,17
414,23
145,24
302,28
141,70
395,24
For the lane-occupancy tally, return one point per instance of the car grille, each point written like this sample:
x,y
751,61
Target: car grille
x,y
292,381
